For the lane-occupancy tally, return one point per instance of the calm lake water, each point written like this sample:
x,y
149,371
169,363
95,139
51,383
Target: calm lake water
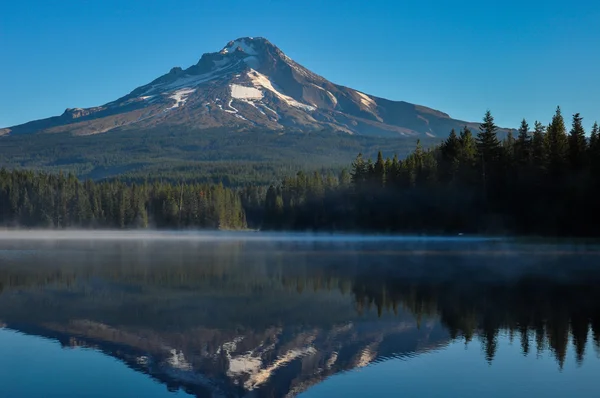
x,y
259,315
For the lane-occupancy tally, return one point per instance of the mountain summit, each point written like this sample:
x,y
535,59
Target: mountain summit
x,y
249,83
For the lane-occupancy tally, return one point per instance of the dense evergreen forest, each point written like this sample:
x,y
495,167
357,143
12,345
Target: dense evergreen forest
x,y
216,155
29,199
542,182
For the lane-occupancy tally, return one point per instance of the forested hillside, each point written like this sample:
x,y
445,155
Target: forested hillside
x,y
220,155
30,199
542,182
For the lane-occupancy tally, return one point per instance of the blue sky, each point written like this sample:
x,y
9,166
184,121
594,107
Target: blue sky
x,y
517,58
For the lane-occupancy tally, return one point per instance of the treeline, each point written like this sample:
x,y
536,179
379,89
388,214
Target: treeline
x,y
214,155
29,199
544,181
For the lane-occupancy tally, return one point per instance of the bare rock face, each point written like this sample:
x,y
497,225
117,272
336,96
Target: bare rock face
x,y
250,83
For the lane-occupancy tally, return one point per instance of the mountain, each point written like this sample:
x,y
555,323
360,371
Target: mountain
x,y
249,84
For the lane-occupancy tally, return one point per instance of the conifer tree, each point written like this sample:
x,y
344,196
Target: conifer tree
x,y
345,178
577,145
359,170
594,138
394,172
523,145
379,170
538,146
450,150
557,144
467,158
594,156
487,139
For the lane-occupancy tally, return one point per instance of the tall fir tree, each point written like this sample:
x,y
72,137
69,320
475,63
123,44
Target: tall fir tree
x,y
487,139
594,137
450,151
557,145
359,171
577,145
538,146
379,170
594,150
523,145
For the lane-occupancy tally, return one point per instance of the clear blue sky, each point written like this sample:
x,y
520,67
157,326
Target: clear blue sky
x,y
517,58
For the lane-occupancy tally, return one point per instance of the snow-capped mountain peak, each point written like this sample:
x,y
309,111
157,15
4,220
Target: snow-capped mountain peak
x,y
244,45
250,83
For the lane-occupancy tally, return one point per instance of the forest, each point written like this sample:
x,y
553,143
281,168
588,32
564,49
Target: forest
x,y
215,155
541,182
29,199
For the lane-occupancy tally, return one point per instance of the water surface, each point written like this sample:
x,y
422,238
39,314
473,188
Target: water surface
x,y
259,315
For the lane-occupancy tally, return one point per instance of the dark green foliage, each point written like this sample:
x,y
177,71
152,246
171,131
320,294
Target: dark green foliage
x,y
29,199
577,145
557,145
487,140
219,155
527,186
523,146
538,147
594,150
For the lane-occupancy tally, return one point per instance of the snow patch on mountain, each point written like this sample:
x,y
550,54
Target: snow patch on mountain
x,y
366,100
230,106
269,109
251,103
243,92
329,94
258,79
180,97
188,81
247,48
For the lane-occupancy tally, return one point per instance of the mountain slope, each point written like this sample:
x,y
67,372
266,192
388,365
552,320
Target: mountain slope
x,y
249,84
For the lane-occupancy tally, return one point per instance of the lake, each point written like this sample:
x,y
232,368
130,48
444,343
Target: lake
x,y
180,314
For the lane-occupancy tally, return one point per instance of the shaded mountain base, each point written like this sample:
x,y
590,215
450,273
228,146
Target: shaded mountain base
x,y
234,158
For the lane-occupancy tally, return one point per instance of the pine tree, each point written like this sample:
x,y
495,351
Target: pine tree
x,y
359,171
577,145
509,144
523,145
345,178
467,158
594,138
450,151
487,139
557,144
489,151
394,172
594,150
379,170
538,146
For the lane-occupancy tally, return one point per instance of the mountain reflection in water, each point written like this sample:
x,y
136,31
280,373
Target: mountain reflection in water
x,y
240,317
